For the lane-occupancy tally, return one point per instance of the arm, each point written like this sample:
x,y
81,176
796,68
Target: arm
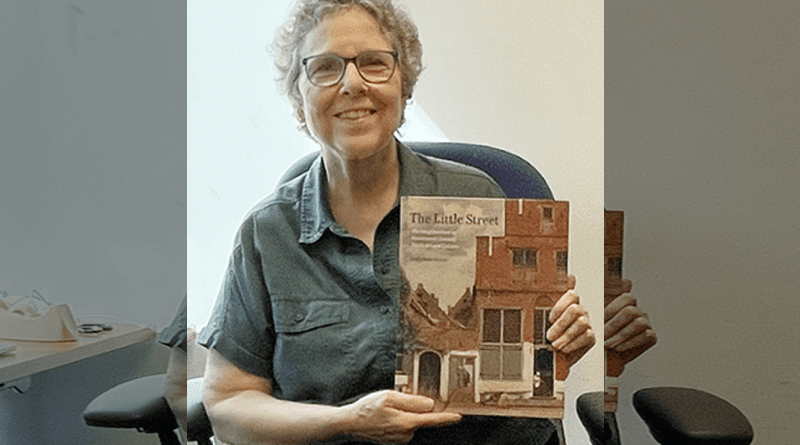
x,y
175,385
571,333
627,329
243,411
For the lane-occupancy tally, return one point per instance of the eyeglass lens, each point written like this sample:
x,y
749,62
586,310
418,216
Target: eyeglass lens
x,y
328,69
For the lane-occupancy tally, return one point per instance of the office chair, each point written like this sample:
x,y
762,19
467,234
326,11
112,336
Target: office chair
x,y
602,427
675,416
139,404
691,417
516,176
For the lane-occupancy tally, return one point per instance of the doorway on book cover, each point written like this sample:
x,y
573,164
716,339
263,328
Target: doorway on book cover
x,y
461,384
543,372
430,368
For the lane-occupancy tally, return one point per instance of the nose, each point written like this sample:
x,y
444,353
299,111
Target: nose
x,y
352,82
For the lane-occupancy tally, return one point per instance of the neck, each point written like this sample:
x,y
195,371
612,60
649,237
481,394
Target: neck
x,y
362,181
362,192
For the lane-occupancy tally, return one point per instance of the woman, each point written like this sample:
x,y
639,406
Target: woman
x,y
302,339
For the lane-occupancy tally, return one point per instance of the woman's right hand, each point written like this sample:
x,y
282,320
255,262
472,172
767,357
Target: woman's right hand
x,y
242,410
393,417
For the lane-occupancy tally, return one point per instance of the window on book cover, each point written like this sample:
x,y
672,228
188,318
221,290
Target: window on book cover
x,y
548,224
525,258
615,267
561,264
541,323
501,350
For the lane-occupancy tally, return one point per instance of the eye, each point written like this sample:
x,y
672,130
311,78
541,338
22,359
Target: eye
x,y
321,65
324,69
375,62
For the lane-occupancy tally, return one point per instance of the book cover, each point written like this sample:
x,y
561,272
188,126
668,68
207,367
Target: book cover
x,y
481,277
614,287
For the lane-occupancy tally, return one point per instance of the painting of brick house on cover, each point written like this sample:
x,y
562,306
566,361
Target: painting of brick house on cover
x,y
482,276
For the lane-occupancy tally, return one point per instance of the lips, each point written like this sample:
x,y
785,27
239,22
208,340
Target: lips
x,y
356,113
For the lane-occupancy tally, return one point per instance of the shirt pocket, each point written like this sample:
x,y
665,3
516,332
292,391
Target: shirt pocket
x,y
295,317
313,350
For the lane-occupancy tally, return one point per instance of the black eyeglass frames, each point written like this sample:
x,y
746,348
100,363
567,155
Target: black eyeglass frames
x,y
325,70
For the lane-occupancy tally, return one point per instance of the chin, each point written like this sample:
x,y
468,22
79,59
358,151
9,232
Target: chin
x,y
363,146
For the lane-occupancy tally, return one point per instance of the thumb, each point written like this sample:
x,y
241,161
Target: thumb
x,y
627,286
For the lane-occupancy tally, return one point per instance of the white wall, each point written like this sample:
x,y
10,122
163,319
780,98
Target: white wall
x,y
92,160
527,76
241,133
703,155
92,188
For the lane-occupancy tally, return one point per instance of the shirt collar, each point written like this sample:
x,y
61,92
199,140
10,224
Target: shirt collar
x,y
315,213
416,177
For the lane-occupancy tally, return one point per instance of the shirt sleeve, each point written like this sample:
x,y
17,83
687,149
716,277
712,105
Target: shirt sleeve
x,y
174,335
241,328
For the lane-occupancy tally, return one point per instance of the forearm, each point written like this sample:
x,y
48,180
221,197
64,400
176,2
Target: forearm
x,y
254,417
175,385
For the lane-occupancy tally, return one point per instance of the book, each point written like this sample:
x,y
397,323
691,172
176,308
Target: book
x,y
481,276
614,286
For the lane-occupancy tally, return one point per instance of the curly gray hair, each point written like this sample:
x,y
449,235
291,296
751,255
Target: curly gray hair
x,y
307,14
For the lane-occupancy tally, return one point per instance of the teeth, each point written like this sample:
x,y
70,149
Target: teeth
x,y
355,114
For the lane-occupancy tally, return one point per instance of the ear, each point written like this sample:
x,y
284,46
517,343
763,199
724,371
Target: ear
x,y
301,115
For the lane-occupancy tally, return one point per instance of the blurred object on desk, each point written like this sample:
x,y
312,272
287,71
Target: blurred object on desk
x,y
6,348
34,318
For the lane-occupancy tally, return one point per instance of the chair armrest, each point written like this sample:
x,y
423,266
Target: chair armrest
x,y
691,417
601,426
138,403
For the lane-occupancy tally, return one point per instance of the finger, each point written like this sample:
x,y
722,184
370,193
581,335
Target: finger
x,y
617,305
633,328
576,329
643,340
621,319
409,402
563,322
562,304
436,419
407,423
582,341
626,286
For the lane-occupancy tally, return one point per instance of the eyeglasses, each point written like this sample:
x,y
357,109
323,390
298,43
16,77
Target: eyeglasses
x,y
325,70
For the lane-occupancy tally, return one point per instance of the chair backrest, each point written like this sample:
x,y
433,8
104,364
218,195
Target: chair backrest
x,y
517,177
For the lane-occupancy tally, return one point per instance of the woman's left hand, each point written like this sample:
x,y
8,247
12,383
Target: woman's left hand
x,y
628,331
570,333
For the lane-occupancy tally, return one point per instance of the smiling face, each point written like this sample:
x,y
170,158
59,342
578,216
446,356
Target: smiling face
x,y
353,119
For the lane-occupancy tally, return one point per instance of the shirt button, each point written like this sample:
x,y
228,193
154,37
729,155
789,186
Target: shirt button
x,y
384,310
299,317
